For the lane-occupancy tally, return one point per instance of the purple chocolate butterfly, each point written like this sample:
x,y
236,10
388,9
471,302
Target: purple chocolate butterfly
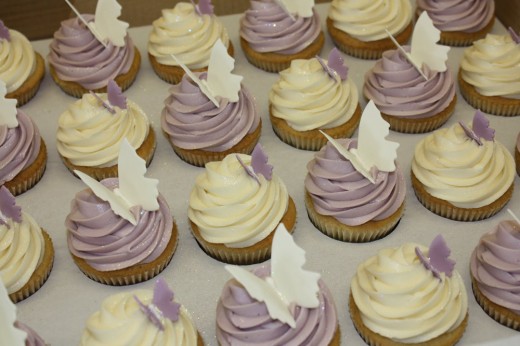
x,y
335,65
439,260
115,95
479,128
514,35
4,31
8,207
162,305
259,162
203,7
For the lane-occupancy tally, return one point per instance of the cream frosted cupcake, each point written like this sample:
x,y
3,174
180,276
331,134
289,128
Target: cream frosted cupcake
x,y
313,95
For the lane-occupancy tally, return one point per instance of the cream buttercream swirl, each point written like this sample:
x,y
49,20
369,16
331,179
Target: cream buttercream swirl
x,y
366,20
453,167
120,321
89,135
187,35
21,251
491,65
307,98
230,207
400,299
17,60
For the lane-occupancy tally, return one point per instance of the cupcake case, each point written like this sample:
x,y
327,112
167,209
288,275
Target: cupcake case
x,y
59,310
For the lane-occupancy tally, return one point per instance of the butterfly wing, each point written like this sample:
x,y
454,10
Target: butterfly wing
x,y
480,127
439,254
205,7
106,23
115,95
221,82
8,207
259,162
163,299
7,108
301,7
424,47
336,62
9,334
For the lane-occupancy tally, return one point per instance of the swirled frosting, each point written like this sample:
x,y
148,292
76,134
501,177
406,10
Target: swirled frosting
x,y
269,29
21,251
19,146
400,299
192,121
307,98
494,265
120,321
491,66
17,60
77,56
453,167
399,90
187,35
108,242
89,135
337,189
366,20
33,339
458,15
230,207
242,319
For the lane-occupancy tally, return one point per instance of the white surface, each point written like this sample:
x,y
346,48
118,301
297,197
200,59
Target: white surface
x,y
58,311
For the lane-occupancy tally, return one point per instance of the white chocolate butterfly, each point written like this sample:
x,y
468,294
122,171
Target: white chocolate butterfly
x,y
303,8
9,334
7,108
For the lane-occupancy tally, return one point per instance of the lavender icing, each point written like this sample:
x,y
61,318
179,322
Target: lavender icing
x,y
77,56
108,242
494,265
268,28
242,319
33,339
192,121
399,90
19,147
339,190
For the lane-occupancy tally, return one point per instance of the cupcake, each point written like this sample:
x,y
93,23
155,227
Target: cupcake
x,y
488,74
204,121
141,316
23,154
84,58
27,253
461,21
348,201
461,173
94,149
250,309
189,32
235,207
359,28
412,86
314,95
272,33
21,68
120,231
407,295
494,273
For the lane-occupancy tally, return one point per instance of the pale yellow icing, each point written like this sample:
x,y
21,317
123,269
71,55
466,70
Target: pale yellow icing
x,y
190,37
120,321
89,135
402,300
21,251
308,98
453,167
230,207
17,60
366,20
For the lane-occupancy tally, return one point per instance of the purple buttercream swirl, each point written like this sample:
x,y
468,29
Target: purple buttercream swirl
x,y
33,339
77,56
458,15
399,90
108,242
339,190
495,265
192,121
243,320
268,28
19,147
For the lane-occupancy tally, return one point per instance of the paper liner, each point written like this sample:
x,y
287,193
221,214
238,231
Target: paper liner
x,y
29,176
461,39
446,209
256,253
123,80
312,139
497,312
173,74
276,62
28,89
517,160
145,151
496,105
134,274
369,50
367,232
40,275
375,339
199,157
